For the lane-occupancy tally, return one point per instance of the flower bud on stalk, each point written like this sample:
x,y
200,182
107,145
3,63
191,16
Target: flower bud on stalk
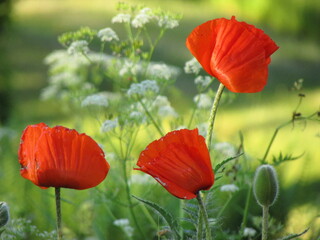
x,y
4,214
265,185
266,190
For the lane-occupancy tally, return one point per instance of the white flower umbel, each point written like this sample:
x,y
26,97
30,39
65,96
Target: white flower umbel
x,y
107,35
160,71
167,111
142,18
203,81
121,18
129,67
109,125
78,47
203,101
168,22
142,88
161,101
192,66
249,232
225,148
229,188
98,99
65,79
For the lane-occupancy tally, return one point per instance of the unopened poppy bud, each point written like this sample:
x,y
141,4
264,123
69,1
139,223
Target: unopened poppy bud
x,y
4,214
265,185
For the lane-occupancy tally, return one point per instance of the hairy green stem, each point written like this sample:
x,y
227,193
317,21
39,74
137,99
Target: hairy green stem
x,y
204,214
213,114
200,226
265,216
58,212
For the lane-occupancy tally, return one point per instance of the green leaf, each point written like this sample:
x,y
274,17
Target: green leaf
x,y
173,224
221,164
284,158
291,236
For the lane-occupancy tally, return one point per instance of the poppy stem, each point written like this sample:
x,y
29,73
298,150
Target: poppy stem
x,y
265,216
205,218
58,212
213,114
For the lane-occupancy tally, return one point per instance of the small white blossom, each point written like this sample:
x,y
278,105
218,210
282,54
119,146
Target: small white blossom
x,y
121,18
229,188
203,100
138,117
129,67
167,111
192,66
225,148
142,18
249,232
98,99
107,35
168,22
143,88
161,101
65,79
78,47
181,127
161,71
203,81
109,125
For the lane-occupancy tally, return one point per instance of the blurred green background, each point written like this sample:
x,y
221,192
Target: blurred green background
x,y
30,33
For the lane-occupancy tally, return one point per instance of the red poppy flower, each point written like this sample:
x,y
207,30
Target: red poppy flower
x,y
180,162
61,157
236,53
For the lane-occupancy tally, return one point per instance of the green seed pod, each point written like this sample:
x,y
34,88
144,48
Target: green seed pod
x,y
4,214
265,185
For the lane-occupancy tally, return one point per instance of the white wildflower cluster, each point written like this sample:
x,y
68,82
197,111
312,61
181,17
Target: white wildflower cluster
x,y
203,81
164,108
109,125
168,22
192,66
78,47
138,117
124,224
121,18
143,88
229,188
162,71
144,16
98,99
65,79
107,35
225,148
203,100
249,232
129,67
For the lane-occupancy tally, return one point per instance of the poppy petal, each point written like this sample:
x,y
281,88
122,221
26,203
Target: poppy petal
x,y
180,162
239,53
70,160
28,143
61,157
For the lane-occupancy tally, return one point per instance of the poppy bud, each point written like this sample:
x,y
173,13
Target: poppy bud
x,y
265,185
4,214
